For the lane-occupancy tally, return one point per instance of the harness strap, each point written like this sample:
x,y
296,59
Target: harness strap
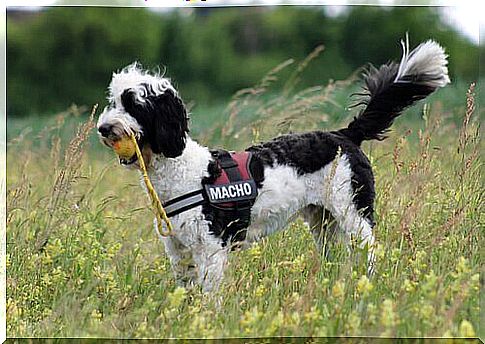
x,y
185,202
228,164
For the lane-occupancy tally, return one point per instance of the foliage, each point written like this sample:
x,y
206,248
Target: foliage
x,y
65,55
361,42
92,266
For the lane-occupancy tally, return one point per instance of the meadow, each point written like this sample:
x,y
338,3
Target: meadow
x,y
83,259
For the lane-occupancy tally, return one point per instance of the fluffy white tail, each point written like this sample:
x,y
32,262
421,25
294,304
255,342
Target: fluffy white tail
x,y
426,64
392,88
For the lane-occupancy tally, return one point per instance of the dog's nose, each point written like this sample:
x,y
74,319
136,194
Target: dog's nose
x,y
105,129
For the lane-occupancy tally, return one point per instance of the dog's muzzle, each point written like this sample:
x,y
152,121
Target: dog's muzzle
x,y
110,137
105,130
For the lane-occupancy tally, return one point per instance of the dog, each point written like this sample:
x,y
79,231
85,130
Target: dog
x,y
322,175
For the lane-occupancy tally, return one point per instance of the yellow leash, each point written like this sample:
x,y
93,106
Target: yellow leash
x,y
157,205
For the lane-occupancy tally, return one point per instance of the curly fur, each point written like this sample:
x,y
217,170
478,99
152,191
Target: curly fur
x,y
323,176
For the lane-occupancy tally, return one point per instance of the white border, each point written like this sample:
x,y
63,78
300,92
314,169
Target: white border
x,y
3,175
211,3
158,4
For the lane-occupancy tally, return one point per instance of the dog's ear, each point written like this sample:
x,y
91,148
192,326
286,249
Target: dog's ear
x,y
170,125
163,118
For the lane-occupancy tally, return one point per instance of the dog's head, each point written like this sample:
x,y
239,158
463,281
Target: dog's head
x,y
148,106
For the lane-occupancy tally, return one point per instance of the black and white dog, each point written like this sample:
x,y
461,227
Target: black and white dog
x,y
323,176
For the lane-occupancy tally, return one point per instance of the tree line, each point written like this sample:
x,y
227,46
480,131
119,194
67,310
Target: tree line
x,y
64,55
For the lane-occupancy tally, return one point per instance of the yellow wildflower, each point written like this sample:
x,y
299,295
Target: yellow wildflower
x,y
466,329
202,326
294,319
371,314
429,286
462,267
379,251
275,325
395,255
260,290
427,311
176,297
251,319
13,311
322,331
388,316
313,315
364,286
408,286
352,325
298,263
95,314
255,251
475,282
448,334
338,290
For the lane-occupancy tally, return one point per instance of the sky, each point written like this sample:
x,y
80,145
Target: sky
x,y
462,14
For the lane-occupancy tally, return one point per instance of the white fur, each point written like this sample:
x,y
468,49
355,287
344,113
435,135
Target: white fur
x,y
285,194
198,257
428,58
120,120
131,77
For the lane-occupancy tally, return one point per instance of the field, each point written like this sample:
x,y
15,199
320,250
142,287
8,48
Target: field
x,y
83,260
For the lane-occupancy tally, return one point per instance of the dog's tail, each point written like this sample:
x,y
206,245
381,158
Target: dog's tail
x,y
392,88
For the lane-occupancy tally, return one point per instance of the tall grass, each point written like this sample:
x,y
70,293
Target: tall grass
x,y
82,258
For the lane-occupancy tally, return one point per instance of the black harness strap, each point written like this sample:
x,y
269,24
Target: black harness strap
x,y
185,202
228,164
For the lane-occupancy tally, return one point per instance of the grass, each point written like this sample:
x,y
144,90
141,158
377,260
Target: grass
x,y
82,258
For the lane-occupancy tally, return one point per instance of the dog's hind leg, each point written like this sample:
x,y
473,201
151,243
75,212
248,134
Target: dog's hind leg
x,y
357,229
323,227
339,198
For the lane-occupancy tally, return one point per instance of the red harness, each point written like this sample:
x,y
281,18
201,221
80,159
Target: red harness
x,y
242,161
227,201
233,192
234,168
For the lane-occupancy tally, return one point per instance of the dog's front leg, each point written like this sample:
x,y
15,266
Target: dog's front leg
x,y
182,262
211,261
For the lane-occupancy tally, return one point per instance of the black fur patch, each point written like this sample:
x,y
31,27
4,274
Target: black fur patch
x,y
385,100
311,151
163,119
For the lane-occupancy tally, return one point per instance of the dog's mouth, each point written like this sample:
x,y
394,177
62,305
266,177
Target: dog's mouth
x,y
112,141
128,162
